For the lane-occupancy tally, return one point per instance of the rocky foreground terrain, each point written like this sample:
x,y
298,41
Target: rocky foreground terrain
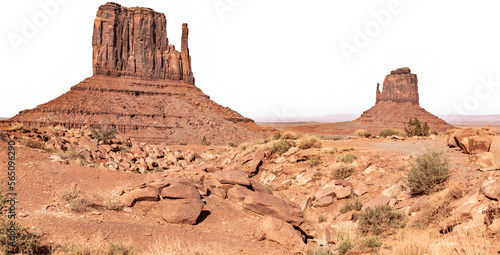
x,y
280,195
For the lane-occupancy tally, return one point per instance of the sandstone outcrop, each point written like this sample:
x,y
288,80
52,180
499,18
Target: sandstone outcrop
x,y
142,86
397,103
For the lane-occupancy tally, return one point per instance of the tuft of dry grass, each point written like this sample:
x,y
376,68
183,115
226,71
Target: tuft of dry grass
x,y
363,133
169,246
289,135
347,157
434,210
308,142
37,145
98,245
341,171
77,200
413,242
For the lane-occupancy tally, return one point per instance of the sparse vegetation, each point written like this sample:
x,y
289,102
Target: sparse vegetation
x,y
390,132
412,243
98,245
330,138
345,244
379,219
341,171
21,128
372,242
314,162
103,134
415,128
281,146
322,251
434,210
78,201
321,218
37,145
3,136
308,142
26,241
231,144
276,136
434,131
430,169
288,135
363,133
183,143
347,157
351,204
205,142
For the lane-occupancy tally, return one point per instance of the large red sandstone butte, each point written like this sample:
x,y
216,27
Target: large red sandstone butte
x,y
142,86
397,103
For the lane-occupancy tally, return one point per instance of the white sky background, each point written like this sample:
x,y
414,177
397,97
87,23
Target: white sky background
x,y
271,60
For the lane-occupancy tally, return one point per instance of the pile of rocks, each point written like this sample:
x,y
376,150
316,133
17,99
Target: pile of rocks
x,y
476,142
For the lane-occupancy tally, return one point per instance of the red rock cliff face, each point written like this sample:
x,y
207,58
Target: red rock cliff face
x,y
400,86
133,42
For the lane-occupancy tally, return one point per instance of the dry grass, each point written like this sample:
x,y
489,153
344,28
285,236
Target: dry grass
x,y
341,171
169,246
98,245
37,145
347,157
434,210
462,244
308,142
77,200
289,135
413,242
363,133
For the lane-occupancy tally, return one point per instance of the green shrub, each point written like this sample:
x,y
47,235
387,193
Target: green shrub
x,y
314,162
231,144
372,242
351,204
345,244
347,158
104,134
363,133
341,171
430,169
379,219
390,132
281,146
204,141
415,128
307,142
26,241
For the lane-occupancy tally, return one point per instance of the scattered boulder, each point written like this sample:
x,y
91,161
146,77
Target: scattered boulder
x,y
266,204
491,189
238,193
282,232
343,192
257,187
181,211
392,191
324,201
232,177
180,189
142,194
325,234
378,201
485,161
417,205
252,168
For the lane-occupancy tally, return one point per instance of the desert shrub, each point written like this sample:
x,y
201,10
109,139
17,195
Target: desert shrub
x,y
37,145
21,128
379,219
26,241
288,135
204,141
362,133
231,144
3,136
413,243
345,244
70,193
435,209
104,134
321,218
113,205
322,251
276,136
415,128
314,162
183,143
281,146
341,171
347,157
119,248
430,169
78,201
330,138
390,132
351,204
307,142
97,245
80,204
434,131
372,242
